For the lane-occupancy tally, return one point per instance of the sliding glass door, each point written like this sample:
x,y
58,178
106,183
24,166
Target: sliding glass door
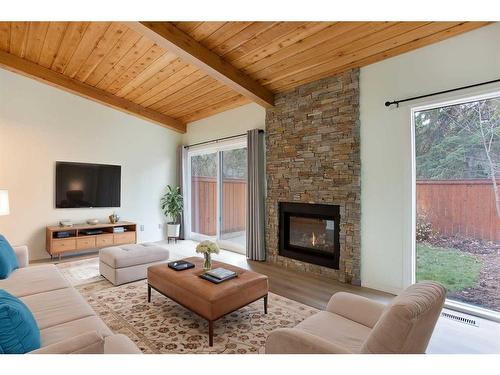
x,y
203,195
457,169
216,209
233,198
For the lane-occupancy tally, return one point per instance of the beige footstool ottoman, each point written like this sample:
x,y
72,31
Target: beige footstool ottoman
x,y
123,264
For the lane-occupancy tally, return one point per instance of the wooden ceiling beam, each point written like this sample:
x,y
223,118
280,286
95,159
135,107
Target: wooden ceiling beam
x,y
29,69
166,35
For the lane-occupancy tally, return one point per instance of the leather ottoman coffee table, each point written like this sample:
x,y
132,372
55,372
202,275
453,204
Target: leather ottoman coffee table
x,y
208,300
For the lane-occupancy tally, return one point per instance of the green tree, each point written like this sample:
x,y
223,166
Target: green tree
x,y
234,164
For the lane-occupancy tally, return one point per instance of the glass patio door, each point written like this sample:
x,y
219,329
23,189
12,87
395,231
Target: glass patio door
x,y
217,176
204,196
233,198
457,173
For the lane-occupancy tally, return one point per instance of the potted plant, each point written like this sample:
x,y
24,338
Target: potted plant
x,y
172,205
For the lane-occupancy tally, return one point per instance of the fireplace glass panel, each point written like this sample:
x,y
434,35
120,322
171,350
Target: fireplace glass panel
x,y
312,233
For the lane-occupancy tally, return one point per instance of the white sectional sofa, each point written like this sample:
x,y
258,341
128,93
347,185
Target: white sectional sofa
x,y
67,322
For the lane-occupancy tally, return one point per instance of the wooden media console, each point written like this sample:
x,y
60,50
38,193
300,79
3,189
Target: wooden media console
x,y
79,240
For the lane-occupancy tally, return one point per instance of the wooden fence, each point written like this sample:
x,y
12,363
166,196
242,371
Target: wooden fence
x,y
204,205
465,207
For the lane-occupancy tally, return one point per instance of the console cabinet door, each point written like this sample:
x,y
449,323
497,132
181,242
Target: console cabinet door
x,y
85,243
104,240
61,246
122,238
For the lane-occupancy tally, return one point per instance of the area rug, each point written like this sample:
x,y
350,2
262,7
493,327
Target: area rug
x,y
81,271
164,326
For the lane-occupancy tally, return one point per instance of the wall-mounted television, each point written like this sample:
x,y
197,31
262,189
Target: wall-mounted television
x,y
82,185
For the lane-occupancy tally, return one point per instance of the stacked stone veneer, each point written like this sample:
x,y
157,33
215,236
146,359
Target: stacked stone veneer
x,y
312,156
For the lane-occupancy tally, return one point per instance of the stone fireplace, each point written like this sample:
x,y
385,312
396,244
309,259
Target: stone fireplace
x,y
313,162
310,233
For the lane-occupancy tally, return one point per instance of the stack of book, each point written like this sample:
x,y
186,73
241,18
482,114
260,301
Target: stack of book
x,y
118,229
218,275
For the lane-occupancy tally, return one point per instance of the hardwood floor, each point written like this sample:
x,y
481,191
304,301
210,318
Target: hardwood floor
x,y
450,337
307,288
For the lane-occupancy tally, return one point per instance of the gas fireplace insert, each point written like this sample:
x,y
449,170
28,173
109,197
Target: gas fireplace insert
x,y
310,233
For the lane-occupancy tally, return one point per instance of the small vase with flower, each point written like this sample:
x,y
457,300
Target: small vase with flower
x,y
207,248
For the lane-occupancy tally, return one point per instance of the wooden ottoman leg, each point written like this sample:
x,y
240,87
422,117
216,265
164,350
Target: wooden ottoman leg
x,y
210,333
265,304
149,293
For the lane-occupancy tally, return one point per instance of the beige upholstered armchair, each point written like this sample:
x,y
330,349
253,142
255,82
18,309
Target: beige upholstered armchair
x,y
354,324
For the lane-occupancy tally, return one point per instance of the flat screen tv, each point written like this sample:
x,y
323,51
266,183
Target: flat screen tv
x,y
80,185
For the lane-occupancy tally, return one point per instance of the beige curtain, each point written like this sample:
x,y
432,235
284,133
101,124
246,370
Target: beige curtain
x,y
255,203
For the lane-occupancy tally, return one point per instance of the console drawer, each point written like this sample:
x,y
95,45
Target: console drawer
x,y
122,238
60,246
104,240
85,243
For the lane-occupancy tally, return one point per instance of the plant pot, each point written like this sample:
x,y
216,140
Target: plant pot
x,y
173,230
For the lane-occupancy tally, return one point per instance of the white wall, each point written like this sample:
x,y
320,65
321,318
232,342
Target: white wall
x,y
386,148
233,122
40,125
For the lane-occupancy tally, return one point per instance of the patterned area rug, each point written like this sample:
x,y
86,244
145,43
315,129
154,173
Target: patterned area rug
x,y
164,326
81,271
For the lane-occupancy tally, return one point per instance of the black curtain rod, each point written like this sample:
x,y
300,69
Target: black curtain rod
x,y
220,139
387,104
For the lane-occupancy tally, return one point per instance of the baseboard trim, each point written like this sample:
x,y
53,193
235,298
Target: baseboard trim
x,y
382,287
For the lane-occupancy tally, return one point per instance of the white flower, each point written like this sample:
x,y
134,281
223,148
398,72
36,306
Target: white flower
x,y
207,247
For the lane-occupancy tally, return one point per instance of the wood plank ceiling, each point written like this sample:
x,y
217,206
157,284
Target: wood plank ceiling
x,y
122,66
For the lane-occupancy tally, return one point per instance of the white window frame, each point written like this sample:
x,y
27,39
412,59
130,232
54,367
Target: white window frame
x,y
213,147
410,257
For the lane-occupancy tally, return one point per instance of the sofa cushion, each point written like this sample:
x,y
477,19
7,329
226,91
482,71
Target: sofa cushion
x,y
19,331
22,255
57,307
73,328
336,329
8,259
120,344
86,343
132,255
31,280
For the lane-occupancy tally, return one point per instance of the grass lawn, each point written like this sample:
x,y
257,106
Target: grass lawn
x,y
453,268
